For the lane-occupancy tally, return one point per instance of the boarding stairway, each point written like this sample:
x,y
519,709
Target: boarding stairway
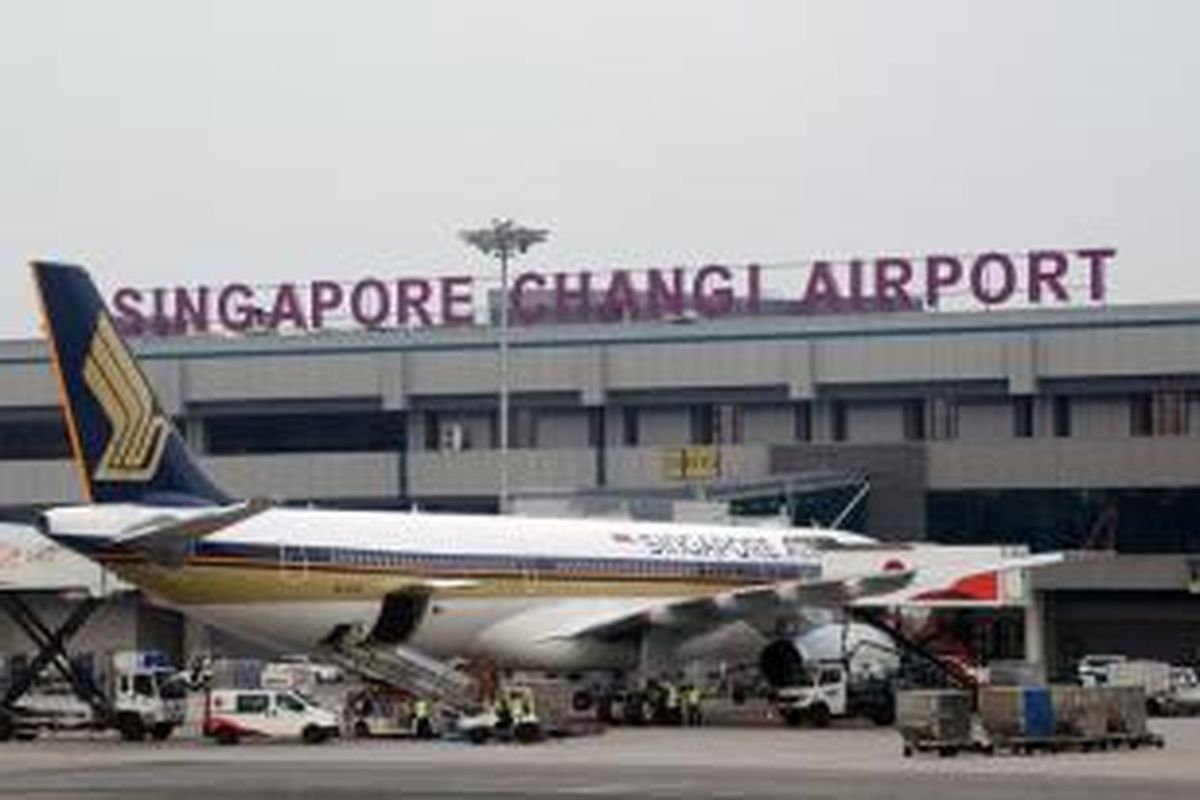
x,y
403,668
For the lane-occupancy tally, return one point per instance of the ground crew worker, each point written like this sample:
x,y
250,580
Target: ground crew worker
x,y
672,704
523,709
525,721
422,725
504,711
691,704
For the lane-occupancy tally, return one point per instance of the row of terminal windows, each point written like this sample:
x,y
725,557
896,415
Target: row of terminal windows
x,y
33,436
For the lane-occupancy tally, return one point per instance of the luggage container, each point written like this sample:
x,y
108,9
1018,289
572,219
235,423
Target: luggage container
x,y
1028,719
1124,709
935,720
1078,712
1017,718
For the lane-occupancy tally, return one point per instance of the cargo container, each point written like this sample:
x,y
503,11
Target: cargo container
x,y
937,720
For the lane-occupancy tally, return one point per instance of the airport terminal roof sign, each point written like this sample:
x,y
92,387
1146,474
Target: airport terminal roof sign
x,y
887,283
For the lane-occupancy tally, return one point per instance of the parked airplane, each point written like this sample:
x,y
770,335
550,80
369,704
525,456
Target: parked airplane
x,y
390,592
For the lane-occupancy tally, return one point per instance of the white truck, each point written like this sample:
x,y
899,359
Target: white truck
x,y
1153,676
1185,691
142,695
825,691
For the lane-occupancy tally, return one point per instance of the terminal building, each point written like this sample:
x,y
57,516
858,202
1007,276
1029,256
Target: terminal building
x,y
1061,429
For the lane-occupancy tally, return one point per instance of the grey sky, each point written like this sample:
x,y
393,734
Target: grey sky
x,y
168,142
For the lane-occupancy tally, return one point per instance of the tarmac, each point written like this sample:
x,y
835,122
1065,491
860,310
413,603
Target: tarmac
x,y
622,763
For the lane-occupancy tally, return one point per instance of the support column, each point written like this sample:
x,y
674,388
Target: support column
x,y
1035,631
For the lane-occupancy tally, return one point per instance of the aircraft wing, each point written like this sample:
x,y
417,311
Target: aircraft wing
x,y
965,583
753,604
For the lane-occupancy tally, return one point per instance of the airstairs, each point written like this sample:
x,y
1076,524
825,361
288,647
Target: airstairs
x,y
403,668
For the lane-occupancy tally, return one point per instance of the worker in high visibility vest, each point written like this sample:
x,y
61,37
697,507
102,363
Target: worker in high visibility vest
x,y
503,710
673,716
692,696
422,724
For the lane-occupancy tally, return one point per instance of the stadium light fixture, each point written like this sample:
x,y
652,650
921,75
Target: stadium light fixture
x,y
503,240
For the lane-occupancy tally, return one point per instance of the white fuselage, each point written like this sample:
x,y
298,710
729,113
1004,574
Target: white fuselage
x,y
508,588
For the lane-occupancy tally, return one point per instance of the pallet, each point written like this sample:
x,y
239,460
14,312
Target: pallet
x,y
1028,745
945,748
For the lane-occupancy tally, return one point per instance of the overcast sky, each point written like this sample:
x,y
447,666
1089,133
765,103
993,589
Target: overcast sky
x,y
176,143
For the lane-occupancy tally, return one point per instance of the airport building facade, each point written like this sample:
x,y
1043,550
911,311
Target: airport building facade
x,y
1067,428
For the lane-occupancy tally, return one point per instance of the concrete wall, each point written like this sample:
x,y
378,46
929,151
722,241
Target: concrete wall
x,y
1065,463
985,419
559,428
768,424
1097,357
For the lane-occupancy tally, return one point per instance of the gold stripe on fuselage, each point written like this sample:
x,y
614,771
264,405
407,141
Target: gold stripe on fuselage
x,y
210,581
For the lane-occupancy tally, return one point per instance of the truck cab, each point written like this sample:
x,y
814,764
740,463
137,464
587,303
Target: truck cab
x,y
148,697
820,694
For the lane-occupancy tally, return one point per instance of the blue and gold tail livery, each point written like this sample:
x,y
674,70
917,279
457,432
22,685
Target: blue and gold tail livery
x,y
126,448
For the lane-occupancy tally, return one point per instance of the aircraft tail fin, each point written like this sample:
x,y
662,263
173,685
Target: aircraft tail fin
x,y
126,448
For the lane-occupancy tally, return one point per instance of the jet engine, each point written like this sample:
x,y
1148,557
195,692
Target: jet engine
x,y
867,652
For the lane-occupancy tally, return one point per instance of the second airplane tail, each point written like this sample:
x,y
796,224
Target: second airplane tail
x,y
126,448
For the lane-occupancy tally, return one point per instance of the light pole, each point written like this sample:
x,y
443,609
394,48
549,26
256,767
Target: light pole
x,y
503,240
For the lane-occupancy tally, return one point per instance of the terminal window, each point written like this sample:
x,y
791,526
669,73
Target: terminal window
x,y
33,437
1023,417
630,429
705,424
839,421
914,419
802,421
1161,413
361,431
1062,415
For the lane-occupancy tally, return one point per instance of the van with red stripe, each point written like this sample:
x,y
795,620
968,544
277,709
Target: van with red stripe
x,y
231,715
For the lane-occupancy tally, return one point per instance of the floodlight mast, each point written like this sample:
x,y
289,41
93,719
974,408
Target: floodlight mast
x,y
503,240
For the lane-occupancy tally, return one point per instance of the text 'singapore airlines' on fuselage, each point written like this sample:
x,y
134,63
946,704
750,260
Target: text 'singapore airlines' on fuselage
x,y
534,593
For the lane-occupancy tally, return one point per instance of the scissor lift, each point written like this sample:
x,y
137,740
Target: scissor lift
x,y
51,643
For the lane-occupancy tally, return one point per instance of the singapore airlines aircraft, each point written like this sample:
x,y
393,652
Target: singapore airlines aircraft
x,y
392,592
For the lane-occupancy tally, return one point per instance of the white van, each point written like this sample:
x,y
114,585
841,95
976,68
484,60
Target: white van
x,y
231,714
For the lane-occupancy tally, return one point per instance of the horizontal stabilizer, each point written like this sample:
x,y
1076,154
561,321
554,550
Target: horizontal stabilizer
x,y
167,541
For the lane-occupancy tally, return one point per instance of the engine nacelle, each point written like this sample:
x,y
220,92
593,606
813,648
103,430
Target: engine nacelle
x,y
781,663
866,650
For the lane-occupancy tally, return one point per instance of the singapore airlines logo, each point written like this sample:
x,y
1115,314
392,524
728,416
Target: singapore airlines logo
x,y
139,434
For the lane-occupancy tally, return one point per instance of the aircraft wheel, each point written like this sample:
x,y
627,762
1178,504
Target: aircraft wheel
x,y
527,732
819,715
162,731
227,736
131,727
314,735
582,701
362,730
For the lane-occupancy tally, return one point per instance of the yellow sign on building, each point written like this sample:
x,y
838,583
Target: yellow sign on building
x,y
699,462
